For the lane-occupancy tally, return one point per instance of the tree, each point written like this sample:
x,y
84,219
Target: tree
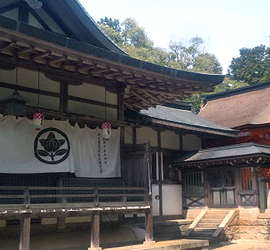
x,y
207,63
193,57
252,66
135,35
229,84
114,24
112,29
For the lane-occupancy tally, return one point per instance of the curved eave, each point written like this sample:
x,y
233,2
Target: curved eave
x,y
74,15
209,79
147,84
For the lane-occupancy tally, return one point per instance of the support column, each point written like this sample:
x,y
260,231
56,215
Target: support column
x,y
95,232
262,194
25,233
149,230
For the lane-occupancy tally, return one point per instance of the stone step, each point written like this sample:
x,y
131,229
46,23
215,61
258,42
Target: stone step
x,y
205,230
214,216
218,211
202,233
211,220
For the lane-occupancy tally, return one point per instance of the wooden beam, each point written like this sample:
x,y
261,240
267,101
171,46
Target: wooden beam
x,y
42,55
26,50
25,233
150,95
141,98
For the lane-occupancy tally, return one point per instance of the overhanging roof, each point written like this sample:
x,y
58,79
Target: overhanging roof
x,y
78,60
245,153
187,120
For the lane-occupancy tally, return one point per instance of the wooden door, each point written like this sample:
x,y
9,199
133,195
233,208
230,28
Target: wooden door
x,y
135,166
222,188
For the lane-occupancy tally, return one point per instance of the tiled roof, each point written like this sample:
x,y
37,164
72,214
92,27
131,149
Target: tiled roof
x,y
185,118
232,151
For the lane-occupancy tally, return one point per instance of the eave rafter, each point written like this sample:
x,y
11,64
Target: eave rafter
x,y
252,161
147,88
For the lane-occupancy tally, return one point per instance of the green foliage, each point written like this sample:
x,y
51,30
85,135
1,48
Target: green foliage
x,y
207,63
112,34
135,35
229,84
114,24
252,66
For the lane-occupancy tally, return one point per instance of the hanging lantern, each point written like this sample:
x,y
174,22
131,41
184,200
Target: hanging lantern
x,y
15,104
106,130
38,120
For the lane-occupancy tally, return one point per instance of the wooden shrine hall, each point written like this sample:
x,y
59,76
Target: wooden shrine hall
x,y
64,90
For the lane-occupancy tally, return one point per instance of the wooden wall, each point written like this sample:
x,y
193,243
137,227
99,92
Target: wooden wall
x,y
85,99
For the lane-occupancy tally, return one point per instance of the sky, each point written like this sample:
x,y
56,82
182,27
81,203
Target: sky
x,y
225,25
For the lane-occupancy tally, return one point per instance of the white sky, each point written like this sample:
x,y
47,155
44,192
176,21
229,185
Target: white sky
x,y
226,25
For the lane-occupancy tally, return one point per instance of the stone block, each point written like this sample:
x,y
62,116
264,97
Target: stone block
x,y
79,219
2,223
48,221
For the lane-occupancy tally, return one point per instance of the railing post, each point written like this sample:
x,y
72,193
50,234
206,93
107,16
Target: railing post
x,y
27,197
96,197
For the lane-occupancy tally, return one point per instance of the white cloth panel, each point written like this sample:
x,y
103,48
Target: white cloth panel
x,y
57,147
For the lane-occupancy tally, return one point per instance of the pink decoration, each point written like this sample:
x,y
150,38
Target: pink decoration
x,y
106,130
38,120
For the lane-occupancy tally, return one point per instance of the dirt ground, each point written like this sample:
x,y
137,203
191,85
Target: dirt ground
x,y
242,245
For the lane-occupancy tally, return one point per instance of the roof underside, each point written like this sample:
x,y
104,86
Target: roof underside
x,y
239,108
78,60
187,120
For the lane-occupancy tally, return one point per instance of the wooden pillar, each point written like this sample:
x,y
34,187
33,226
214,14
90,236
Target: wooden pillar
x,y
95,232
207,188
149,231
237,186
262,196
25,233
121,117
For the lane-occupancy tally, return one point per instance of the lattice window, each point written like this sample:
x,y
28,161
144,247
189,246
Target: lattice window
x,y
264,173
246,179
194,183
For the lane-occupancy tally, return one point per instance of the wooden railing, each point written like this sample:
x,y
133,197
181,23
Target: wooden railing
x,y
71,195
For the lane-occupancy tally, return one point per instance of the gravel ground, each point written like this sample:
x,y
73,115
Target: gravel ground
x,y
242,245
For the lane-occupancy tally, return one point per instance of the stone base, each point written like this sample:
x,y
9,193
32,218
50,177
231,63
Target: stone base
x,y
149,242
94,248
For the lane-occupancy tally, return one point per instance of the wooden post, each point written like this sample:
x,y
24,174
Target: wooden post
x,y
237,187
262,194
25,233
95,232
149,234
